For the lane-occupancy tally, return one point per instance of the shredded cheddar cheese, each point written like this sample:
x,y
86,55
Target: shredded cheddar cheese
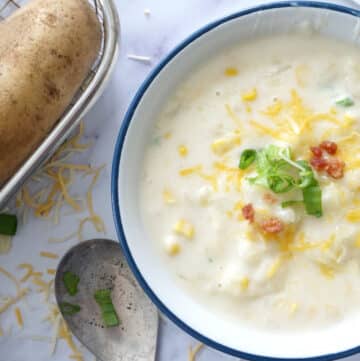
x,y
194,351
230,112
13,300
82,223
191,170
49,255
353,215
5,244
223,145
19,317
65,193
223,167
326,245
61,331
273,109
20,292
29,271
274,268
54,180
11,278
182,150
231,71
61,173
264,129
250,95
210,178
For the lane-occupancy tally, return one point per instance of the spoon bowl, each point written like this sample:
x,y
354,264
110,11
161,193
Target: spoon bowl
x,y
100,264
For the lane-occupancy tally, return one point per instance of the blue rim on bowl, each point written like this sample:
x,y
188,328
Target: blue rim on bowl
x,y
115,177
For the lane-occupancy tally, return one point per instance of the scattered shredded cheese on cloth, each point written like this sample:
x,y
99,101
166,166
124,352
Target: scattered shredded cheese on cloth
x,y
193,351
48,195
5,244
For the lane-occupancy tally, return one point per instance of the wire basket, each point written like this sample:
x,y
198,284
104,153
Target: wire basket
x,y
88,93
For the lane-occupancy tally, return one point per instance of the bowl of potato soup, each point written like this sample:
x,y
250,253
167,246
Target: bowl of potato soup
x,y
236,183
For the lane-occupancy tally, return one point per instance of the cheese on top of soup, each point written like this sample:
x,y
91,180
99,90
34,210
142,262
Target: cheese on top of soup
x,y
251,182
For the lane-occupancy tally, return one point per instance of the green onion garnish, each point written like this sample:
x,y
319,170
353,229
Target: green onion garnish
x,y
280,183
108,313
247,157
312,200
345,102
71,281
311,190
8,224
69,309
286,204
278,172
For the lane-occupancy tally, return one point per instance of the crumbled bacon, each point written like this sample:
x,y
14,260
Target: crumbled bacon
x,y
269,198
335,168
329,147
319,164
248,212
316,151
272,225
331,165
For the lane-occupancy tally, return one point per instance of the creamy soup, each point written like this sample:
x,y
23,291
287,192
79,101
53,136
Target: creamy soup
x,y
251,181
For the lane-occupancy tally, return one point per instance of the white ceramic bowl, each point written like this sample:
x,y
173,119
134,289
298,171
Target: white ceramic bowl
x,y
338,341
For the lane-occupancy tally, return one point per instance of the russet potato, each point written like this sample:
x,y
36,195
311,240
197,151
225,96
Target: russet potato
x,y
46,50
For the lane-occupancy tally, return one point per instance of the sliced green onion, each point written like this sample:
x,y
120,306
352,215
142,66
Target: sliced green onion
x,y
108,313
286,204
8,224
345,102
280,183
247,157
69,309
278,172
71,281
312,200
307,177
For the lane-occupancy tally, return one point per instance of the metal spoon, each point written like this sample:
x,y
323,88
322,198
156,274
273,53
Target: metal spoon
x,y
100,264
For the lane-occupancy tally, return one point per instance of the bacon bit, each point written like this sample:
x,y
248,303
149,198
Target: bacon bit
x,y
329,147
335,168
316,151
269,198
332,166
248,212
319,163
272,225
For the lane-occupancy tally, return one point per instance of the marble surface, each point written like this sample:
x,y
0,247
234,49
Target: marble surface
x,y
153,35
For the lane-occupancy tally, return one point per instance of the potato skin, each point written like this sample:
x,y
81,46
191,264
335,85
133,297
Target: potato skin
x,y
46,50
